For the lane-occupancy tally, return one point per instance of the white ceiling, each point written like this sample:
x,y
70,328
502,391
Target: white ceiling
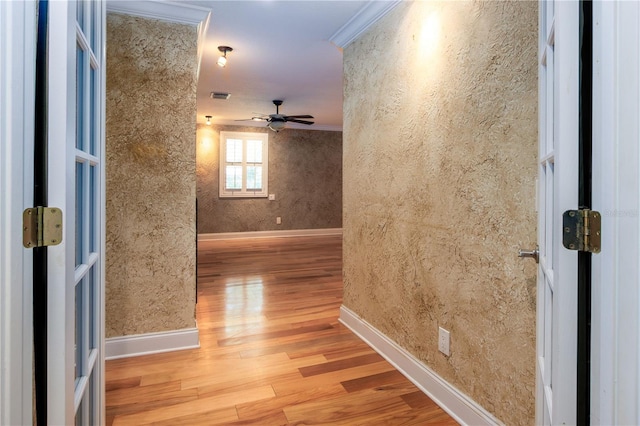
x,y
282,49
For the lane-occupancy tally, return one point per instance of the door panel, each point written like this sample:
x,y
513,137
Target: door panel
x,y
76,184
558,191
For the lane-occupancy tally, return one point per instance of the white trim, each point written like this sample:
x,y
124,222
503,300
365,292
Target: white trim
x,y
615,362
269,234
170,11
459,406
102,212
361,21
203,29
17,77
151,343
244,138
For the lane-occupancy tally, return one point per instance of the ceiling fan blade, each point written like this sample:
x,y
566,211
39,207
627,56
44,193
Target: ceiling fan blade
x,y
255,118
299,116
294,120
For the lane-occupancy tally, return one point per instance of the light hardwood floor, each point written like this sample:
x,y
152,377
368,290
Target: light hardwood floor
x,y
272,350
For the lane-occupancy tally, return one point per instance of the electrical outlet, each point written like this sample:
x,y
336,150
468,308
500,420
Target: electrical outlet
x,y
278,220
443,341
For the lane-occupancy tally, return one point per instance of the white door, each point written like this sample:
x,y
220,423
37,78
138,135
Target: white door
x,y
76,184
556,350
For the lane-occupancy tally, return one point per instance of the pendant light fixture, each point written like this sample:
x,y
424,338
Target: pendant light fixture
x,y
222,60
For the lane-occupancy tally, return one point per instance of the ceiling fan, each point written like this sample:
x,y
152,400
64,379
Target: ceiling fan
x,y
277,121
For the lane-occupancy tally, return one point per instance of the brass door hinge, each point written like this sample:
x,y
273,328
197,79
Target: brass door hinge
x,y
41,227
581,230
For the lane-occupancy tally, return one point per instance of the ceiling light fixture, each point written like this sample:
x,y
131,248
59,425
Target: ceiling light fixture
x,y
208,117
222,60
277,125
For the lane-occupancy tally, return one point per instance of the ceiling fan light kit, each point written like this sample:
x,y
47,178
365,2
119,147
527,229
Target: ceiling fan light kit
x,y
277,121
222,60
276,126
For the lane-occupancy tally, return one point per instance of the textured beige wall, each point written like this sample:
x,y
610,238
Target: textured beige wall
x,y
440,141
151,181
305,174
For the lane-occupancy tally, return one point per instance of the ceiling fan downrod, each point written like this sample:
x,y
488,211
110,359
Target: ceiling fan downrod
x,y
277,103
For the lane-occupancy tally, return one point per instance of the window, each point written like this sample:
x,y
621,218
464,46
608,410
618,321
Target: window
x,y
243,164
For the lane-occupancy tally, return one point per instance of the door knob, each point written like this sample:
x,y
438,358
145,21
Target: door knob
x,y
535,254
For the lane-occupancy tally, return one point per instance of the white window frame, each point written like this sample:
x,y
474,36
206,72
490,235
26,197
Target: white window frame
x,y
243,192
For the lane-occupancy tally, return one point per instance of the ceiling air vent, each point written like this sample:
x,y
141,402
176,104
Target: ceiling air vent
x,y
220,95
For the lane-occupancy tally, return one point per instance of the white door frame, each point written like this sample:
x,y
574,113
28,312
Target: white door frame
x,y
615,387
17,76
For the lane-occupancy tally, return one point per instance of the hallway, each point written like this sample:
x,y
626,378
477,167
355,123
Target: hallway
x,y
272,350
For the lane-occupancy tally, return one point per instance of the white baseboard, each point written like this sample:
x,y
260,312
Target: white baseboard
x,y
151,343
266,234
459,406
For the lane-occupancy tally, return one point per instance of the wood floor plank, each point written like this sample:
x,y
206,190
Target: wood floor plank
x,y
246,382
332,377
349,409
127,382
418,399
253,368
168,399
256,410
312,346
229,369
338,353
273,335
272,351
342,364
150,364
143,393
198,406
368,382
223,416
185,371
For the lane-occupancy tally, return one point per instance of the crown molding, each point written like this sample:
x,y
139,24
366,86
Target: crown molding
x,y
171,11
361,21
